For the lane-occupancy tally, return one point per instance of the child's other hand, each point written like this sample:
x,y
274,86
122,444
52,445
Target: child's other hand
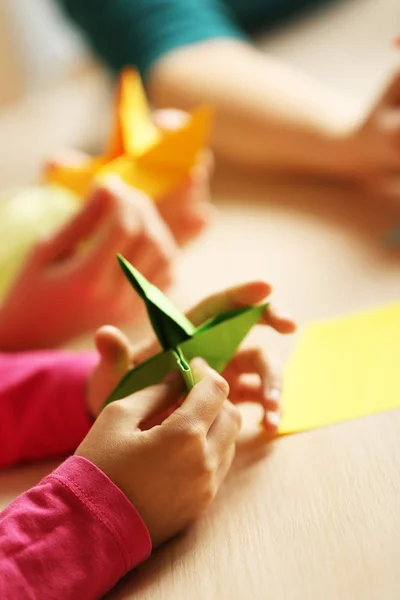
x,y
172,471
374,148
65,290
187,210
266,391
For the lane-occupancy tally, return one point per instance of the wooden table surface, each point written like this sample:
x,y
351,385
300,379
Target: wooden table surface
x,y
314,515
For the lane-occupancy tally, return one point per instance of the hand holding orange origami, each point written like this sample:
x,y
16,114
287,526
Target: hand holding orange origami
x,y
152,158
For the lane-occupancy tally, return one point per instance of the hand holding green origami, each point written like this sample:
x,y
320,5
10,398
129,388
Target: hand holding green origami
x,y
216,328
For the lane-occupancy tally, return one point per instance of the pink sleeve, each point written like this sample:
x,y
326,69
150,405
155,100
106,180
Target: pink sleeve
x,y
72,536
42,404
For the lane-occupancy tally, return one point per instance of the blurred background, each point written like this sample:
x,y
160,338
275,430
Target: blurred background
x,y
52,93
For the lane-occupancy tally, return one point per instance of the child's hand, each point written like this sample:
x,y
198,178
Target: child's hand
x,y
115,359
373,150
252,360
186,210
172,471
65,290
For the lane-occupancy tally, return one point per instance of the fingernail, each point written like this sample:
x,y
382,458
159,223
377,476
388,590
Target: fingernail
x,y
110,181
273,418
273,394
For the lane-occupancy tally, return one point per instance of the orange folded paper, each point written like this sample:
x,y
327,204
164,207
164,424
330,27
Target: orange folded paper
x,y
150,159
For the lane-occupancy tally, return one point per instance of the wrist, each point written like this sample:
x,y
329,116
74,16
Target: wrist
x,y
10,341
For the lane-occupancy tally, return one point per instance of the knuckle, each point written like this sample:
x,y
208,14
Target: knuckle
x,y
219,385
195,435
189,433
209,492
163,255
208,468
116,410
234,415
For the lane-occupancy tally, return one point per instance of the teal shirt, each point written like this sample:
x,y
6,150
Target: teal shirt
x,y
139,32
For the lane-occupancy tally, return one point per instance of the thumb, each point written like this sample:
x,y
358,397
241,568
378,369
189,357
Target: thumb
x,y
114,349
66,158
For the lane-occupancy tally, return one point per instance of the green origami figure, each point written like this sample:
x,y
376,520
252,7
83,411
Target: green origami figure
x,y
216,340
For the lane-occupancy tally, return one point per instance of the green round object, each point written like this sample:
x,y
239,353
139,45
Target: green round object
x,y
26,216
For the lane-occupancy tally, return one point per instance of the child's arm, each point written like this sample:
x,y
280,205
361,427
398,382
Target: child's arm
x,y
49,399
43,410
76,533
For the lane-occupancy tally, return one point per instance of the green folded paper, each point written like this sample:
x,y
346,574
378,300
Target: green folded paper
x,y
216,340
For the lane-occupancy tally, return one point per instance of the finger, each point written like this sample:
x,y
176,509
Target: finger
x,y
170,119
156,246
225,465
280,322
271,421
67,158
249,360
124,223
143,405
224,430
236,297
203,403
186,212
140,253
253,361
64,242
162,278
150,256
128,306
114,348
247,392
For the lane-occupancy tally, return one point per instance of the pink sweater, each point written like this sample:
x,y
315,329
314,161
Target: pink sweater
x,y
75,534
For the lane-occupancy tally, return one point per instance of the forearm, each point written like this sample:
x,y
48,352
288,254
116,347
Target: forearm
x,y
42,404
71,536
268,116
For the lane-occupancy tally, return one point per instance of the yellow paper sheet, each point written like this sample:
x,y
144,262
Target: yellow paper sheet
x,y
343,369
154,161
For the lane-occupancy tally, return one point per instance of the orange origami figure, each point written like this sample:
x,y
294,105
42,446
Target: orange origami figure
x,y
152,160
